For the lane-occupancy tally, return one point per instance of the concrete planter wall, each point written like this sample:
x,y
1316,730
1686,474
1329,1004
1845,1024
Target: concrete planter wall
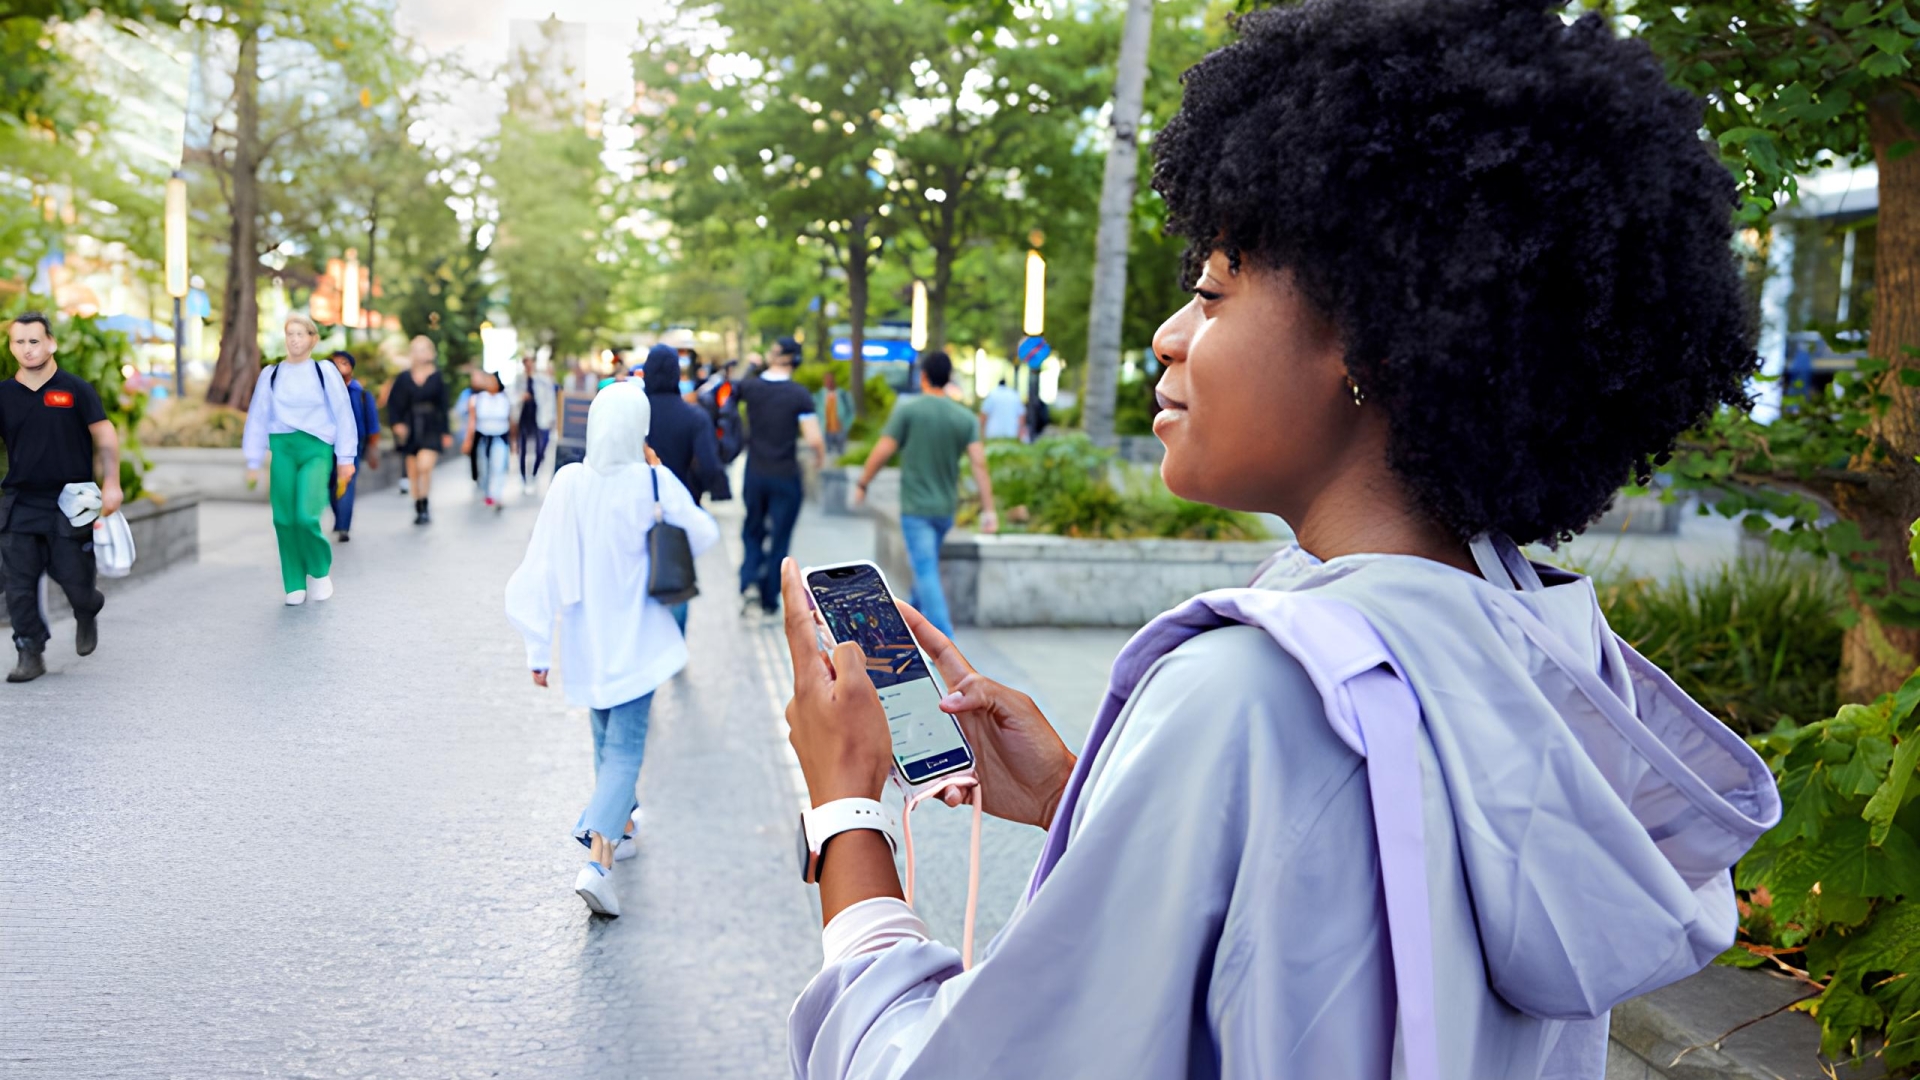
x,y
1638,514
220,473
165,533
1022,580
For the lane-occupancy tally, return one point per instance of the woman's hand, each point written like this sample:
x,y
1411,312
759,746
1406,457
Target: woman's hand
x,y
540,678
343,473
835,721
1022,764
399,435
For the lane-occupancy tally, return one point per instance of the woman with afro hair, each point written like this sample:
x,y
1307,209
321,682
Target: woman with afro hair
x,y
1405,807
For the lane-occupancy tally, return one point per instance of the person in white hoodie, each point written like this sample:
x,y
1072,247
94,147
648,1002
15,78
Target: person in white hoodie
x,y
586,566
301,411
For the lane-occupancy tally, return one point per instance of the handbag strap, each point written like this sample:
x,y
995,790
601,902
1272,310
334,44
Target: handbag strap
x,y
659,515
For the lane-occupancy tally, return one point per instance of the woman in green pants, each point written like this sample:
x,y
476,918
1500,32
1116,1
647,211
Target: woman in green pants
x,y
301,412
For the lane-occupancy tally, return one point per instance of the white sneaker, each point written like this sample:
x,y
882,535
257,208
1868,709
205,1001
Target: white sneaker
x,y
296,597
629,845
595,887
320,587
526,487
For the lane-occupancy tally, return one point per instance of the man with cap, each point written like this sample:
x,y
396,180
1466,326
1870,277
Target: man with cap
x,y
779,413
55,429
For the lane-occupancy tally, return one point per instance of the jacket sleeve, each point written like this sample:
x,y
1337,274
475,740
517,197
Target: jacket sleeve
x,y
678,507
346,417
548,579
253,440
708,473
372,410
400,400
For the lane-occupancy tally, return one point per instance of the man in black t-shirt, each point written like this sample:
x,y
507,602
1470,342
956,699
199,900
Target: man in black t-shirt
x,y
779,412
53,427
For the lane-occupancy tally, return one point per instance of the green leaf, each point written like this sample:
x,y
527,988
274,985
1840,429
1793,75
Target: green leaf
x,y
1892,791
1883,66
1856,14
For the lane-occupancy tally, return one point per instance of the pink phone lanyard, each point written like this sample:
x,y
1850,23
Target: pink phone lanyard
x,y
973,860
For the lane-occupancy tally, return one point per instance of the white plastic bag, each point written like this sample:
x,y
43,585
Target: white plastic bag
x,y
113,545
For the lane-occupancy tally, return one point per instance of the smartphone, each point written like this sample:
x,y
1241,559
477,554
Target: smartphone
x,y
855,604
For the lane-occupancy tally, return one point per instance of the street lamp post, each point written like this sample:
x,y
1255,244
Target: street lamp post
x,y
1034,321
176,244
917,337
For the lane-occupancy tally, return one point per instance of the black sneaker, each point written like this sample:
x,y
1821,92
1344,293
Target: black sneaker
x,y
30,667
342,536
86,635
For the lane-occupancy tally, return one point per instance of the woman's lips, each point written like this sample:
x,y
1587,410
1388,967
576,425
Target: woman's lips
x,y
1171,412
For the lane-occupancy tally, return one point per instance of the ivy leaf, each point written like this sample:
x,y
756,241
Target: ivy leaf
x,y
1861,774
1856,14
1856,998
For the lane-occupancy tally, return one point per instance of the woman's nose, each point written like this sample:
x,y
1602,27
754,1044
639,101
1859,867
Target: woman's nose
x,y
1171,340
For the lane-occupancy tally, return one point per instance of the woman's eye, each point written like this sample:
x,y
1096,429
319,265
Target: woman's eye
x,y
1206,295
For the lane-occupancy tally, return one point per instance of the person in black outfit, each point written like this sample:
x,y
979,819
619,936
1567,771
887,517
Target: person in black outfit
x,y
53,426
417,413
681,434
779,414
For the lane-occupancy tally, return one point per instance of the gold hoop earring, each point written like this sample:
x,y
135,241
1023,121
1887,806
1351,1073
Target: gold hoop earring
x,y
1359,395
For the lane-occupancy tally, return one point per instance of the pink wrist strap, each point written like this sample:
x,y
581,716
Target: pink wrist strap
x,y
973,859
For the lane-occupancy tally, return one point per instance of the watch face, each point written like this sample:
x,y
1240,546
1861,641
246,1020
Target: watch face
x,y
806,855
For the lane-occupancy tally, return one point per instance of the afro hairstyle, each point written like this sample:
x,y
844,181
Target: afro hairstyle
x,y
1513,221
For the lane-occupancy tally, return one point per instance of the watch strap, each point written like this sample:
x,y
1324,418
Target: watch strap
x,y
822,823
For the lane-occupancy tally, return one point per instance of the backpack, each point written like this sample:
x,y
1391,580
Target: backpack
x,y
729,431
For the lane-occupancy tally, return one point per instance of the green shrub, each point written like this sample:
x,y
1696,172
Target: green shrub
x,y
100,356
1833,891
191,423
1066,486
1753,641
1134,406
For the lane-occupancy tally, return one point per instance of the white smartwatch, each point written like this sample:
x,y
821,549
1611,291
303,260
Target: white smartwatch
x,y
828,820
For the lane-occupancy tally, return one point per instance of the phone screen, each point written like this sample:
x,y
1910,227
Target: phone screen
x,y
857,607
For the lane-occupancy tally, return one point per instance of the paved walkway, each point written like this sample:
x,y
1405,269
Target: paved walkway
x,y
248,840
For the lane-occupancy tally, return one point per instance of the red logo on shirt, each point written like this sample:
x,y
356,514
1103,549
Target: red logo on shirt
x,y
59,399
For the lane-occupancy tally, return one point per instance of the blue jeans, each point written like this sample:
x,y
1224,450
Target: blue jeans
x,y
343,504
619,744
680,616
769,501
923,536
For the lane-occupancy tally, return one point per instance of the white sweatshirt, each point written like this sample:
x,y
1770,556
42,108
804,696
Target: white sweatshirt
x,y
320,407
586,565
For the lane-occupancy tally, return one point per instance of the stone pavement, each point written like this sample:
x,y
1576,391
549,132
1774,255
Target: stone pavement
x,y
249,840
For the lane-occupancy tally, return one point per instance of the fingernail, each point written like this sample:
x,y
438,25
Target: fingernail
x,y
954,699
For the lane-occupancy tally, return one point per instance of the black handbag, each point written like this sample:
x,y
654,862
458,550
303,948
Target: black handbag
x,y
670,574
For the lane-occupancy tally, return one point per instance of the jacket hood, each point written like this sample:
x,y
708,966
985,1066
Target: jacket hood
x,y
1598,808
662,370
617,425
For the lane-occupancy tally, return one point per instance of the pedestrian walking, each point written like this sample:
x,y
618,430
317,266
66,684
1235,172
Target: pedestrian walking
x,y
681,437
586,566
489,420
417,412
56,431
366,421
834,406
1002,414
1406,808
931,432
779,413
301,414
537,403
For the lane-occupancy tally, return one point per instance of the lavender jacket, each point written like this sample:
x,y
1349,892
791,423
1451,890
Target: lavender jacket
x,y
1372,818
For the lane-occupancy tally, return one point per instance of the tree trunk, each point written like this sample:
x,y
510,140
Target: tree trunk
x,y
857,267
1116,221
944,252
239,363
1877,657
367,310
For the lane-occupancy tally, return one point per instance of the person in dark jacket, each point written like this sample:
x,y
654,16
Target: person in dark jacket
x,y
682,437
682,434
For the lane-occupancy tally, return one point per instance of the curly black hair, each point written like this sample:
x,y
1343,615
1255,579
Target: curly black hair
x,y
1513,221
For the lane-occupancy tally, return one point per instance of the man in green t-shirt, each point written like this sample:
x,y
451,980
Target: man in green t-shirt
x,y
931,431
